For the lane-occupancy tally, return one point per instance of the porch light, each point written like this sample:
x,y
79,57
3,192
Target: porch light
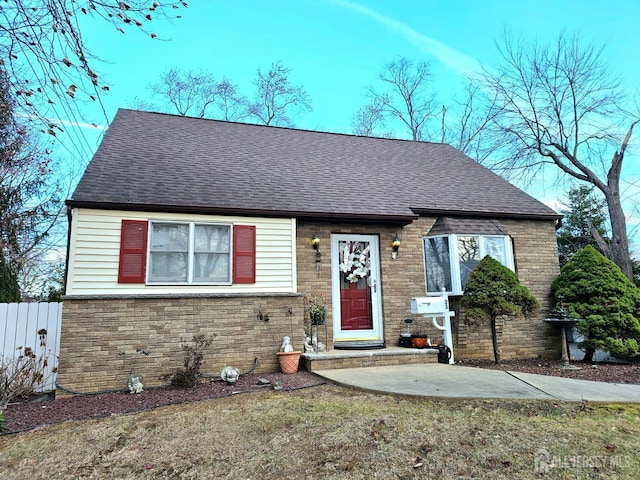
x,y
395,246
315,241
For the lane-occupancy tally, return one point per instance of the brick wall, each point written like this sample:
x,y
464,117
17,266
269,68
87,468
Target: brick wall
x,y
100,336
536,264
401,278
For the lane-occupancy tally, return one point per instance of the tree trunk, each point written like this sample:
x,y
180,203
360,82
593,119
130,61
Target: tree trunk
x,y
494,339
619,248
588,355
619,240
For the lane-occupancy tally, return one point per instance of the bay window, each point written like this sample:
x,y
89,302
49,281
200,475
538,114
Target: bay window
x,y
449,259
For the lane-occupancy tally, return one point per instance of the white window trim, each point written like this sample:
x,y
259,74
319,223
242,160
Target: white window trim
x,y
190,252
456,284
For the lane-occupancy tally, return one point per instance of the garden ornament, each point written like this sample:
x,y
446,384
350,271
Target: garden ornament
x,y
135,384
286,345
230,375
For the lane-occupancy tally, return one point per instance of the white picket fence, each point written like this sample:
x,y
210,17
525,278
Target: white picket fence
x,y
19,326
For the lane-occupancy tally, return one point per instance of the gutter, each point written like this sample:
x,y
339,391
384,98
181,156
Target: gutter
x,y
248,212
66,262
495,215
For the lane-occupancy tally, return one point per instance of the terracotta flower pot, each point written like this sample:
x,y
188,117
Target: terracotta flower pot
x,y
289,361
419,342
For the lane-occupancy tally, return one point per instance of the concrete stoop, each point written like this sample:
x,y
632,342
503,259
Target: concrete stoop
x,y
334,359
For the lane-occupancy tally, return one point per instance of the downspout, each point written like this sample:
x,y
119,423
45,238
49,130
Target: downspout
x,y
66,262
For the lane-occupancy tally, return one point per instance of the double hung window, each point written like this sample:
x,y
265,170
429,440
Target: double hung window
x,y
189,253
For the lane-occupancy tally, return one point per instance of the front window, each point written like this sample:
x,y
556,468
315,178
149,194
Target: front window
x,y
189,253
449,259
438,264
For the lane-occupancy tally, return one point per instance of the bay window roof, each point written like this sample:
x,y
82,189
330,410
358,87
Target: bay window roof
x,y
477,226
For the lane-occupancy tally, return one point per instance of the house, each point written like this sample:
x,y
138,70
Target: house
x,y
184,226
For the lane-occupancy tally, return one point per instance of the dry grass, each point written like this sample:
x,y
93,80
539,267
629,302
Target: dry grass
x,y
331,432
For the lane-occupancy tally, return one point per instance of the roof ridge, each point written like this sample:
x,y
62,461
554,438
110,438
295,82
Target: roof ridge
x,y
280,127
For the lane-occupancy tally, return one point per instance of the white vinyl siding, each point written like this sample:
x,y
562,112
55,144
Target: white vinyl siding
x,y
95,247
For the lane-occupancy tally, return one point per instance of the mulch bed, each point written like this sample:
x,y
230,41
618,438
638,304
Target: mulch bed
x,y
598,372
33,413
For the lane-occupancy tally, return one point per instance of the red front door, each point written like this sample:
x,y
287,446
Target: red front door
x,y
355,305
355,292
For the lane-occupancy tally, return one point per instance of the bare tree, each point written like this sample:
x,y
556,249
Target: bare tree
x,y
196,93
560,105
232,105
369,119
189,92
276,99
405,97
468,129
49,65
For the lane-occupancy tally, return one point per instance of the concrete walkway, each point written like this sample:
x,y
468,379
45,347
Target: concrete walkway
x,y
455,381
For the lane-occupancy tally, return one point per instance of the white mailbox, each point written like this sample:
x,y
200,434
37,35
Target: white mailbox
x,y
436,307
428,305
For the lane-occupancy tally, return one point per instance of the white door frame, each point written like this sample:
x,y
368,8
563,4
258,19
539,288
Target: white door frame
x,y
377,332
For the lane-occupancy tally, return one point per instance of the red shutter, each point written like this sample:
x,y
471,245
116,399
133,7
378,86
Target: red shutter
x,y
133,251
244,254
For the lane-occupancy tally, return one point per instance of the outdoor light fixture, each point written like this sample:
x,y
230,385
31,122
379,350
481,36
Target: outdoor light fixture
x,y
395,246
315,241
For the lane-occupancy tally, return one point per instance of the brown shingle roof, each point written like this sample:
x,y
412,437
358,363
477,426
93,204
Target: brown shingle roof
x,y
160,162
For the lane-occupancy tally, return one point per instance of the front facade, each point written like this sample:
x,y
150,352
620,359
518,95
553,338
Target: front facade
x,y
218,239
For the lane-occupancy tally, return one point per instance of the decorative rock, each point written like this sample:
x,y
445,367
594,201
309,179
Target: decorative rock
x,y
278,385
263,381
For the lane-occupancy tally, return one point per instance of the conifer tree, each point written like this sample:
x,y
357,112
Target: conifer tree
x,y
595,290
494,291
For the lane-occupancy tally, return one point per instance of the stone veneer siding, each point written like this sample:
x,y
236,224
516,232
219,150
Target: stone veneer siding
x,y
536,265
100,336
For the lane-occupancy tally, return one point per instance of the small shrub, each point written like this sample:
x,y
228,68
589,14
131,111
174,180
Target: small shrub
x,y
187,376
20,376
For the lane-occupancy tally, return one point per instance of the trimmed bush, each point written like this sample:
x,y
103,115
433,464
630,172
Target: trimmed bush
x,y
595,290
493,291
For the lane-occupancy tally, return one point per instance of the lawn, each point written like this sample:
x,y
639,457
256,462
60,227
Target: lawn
x,y
329,432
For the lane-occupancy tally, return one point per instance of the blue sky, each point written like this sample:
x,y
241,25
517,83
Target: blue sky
x,y
335,48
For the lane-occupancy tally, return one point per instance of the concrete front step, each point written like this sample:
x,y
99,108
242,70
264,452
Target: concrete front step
x,y
314,362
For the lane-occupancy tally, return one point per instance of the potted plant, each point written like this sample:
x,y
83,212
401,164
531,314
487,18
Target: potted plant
x,y
317,314
316,311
